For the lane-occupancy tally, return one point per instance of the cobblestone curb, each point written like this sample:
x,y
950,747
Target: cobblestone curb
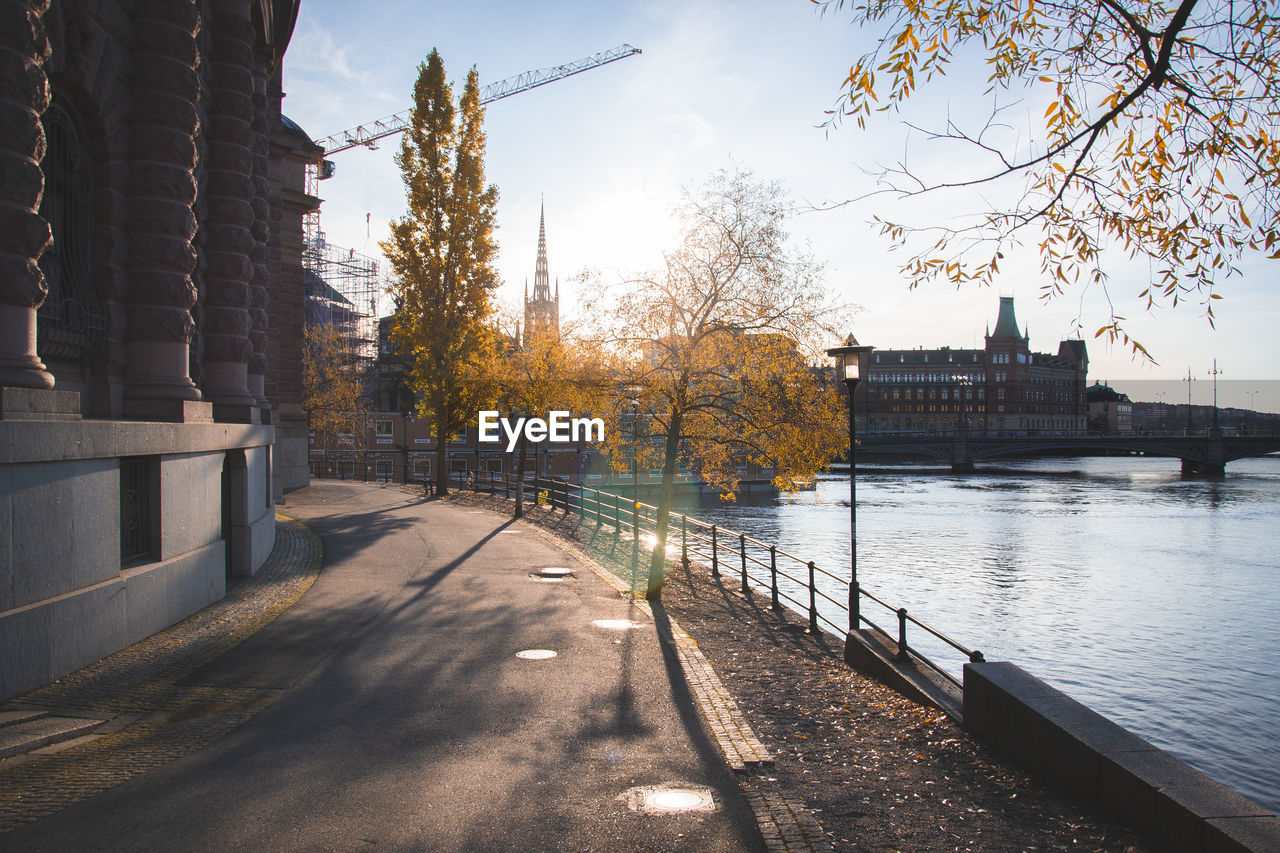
x,y
786,825
151,719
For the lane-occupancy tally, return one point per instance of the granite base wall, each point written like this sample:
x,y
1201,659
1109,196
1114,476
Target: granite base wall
x,y
66,598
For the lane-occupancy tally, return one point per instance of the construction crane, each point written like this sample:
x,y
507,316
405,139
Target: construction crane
x,y
368,134
348,299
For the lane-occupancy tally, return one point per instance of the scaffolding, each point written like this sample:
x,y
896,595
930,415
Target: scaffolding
x,y
343,288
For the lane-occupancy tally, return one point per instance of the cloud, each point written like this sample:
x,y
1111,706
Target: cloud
x,y
314,51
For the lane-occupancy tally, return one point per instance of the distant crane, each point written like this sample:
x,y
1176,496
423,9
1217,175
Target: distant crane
x,y
355,278
368,134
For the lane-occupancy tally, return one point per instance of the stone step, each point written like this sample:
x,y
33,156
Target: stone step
x,y
12,718
18,738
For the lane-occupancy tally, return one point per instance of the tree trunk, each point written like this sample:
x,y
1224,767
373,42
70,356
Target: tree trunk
x,y
520,476
658,566
442,448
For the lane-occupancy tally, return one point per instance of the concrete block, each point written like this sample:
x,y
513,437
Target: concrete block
x,y
86,627
24,737
60,441
190,502
262,538
998,708
38,404
65,527
196,580
162,593
1241,834
6,539
1079,736
25,638
258,465
147,600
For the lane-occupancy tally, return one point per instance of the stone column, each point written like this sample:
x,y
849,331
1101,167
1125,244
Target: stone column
x,y
166,89
259,291
24,235
230,245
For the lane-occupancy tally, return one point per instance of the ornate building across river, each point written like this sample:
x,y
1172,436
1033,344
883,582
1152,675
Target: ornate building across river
x,y
1002,389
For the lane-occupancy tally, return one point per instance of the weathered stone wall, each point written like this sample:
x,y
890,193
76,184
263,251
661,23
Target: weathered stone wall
x,y
176,119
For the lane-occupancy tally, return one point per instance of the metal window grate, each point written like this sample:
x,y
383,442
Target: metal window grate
x,y
72,320
135,508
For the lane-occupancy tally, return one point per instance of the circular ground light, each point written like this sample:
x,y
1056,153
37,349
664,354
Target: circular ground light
x,y
615,624
679,801
672,798
535,654
555,572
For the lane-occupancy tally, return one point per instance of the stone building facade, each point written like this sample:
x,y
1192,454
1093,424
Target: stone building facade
x,y
1002,389
150,315
1110,412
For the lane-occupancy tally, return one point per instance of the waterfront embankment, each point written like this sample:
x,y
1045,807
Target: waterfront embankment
x,y
1148,597
878,771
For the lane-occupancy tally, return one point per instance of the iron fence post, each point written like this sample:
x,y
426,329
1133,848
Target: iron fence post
x,y
813,600
684,540
773,577
742,547
902,633
715,559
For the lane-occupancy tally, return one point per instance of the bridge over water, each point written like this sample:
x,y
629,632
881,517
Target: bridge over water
x,y
1203,454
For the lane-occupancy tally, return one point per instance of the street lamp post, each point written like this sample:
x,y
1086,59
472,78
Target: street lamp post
x,y
634,405
1189,380
1215,373
848,367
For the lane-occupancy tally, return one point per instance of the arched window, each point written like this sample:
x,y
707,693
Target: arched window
x,y
72,324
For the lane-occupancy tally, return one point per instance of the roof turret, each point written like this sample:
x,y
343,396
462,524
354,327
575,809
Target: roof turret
x,y
1006,323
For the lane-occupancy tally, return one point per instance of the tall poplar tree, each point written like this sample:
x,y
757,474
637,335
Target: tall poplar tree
x,y
441,253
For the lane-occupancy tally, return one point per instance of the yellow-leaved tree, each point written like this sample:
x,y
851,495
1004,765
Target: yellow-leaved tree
x,y
335,380
1157,137
441,253
718,351
550,370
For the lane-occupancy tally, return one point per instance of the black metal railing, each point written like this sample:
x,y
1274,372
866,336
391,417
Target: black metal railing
x,y
790,580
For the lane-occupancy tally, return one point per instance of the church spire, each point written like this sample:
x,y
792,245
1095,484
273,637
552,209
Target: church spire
x,y
541,278
542,312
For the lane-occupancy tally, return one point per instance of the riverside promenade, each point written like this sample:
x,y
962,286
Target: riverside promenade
x,y
390,707
396,713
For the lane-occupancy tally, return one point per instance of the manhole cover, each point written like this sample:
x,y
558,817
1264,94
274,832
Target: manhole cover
x,y
535,654
671,798
555,572
616,624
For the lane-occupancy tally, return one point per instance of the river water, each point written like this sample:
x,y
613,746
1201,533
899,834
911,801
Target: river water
x,y
1152,599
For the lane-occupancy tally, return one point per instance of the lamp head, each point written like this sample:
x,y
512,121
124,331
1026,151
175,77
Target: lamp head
x,y
848,358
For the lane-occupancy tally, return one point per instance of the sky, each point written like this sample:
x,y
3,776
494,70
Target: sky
x,y
720,85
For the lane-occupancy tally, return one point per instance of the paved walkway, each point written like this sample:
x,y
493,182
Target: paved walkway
x,y
403,714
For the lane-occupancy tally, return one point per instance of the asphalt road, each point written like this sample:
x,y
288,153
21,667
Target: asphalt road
x,y
406,721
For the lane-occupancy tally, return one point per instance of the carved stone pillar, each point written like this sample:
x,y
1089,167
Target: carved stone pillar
x,y
162,188
260,292
24,235
230,245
